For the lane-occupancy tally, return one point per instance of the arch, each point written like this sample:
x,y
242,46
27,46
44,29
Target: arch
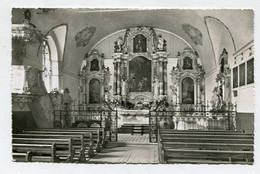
x,y
188,91
158,29
220,36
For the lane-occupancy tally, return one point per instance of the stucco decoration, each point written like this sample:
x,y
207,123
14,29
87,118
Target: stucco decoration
x,y
194,33
83,37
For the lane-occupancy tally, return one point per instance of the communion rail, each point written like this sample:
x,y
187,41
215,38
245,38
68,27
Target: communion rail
x,y
192,118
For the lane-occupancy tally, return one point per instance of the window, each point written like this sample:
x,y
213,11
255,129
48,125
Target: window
x,y
242,76
250,71
235,77
50,65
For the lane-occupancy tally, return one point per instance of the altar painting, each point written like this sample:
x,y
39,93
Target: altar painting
x,y
139,44
140,75
94,91
187,91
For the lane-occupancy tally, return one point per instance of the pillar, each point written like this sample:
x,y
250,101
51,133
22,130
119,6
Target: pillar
x,y
161,76
115,78
165,76
118,78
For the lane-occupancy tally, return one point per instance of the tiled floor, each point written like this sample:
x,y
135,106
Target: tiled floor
x,y
131,149
136,138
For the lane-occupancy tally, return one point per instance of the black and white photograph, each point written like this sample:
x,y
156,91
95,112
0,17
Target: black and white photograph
x,y
112,86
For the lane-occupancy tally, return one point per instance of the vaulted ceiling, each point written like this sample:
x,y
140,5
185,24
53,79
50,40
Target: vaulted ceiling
x,y
235,24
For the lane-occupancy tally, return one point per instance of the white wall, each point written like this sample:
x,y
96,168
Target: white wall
x,y
245,94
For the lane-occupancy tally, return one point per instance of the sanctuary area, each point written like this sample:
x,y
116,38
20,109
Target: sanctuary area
x,y
133,86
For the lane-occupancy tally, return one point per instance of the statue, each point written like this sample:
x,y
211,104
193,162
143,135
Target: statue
x,y
118,45
161,45
217,101
67,100
123,87
156,85
107,76
174,94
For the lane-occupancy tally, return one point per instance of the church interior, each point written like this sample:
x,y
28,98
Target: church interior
x,y
102,86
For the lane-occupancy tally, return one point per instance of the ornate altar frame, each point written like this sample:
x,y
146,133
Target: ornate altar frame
x,y
196,73
124,53
86,75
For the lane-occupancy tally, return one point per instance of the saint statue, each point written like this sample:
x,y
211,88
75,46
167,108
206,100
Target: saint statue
x,y
156,85
118,44
123,87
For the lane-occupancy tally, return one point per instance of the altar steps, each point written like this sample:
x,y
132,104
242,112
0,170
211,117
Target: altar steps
x,y
134,129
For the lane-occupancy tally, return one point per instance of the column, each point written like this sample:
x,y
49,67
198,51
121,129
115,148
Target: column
x,y
118,78
161,76
115,76
198,92
165,76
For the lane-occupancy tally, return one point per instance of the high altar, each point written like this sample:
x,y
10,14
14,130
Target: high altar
x,y
140,75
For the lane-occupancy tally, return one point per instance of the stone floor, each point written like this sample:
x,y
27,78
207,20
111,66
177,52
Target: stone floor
x,y
136,138
130,149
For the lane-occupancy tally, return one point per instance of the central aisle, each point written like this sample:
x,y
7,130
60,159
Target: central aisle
x,y
130,149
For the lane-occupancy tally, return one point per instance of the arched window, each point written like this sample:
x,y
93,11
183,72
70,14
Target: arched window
x,y
53,52
50,65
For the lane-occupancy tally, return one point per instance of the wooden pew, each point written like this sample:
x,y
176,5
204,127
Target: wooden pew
x,y
236,136
211,147
208,140
22,157
98,134
63,146
207,156
81,149
217,132
36,152
205,146
88,136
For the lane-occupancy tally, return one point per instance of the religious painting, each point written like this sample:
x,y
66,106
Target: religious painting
x,y
94,91
242,76
139,44
250,71
94,65
140,75
187,91
187,63
235,77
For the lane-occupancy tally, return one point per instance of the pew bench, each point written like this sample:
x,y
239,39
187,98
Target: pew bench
x,y
63,146
207,140
22,157
80,148
211,132
208,146
205,147
36,152
98,135
207,156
